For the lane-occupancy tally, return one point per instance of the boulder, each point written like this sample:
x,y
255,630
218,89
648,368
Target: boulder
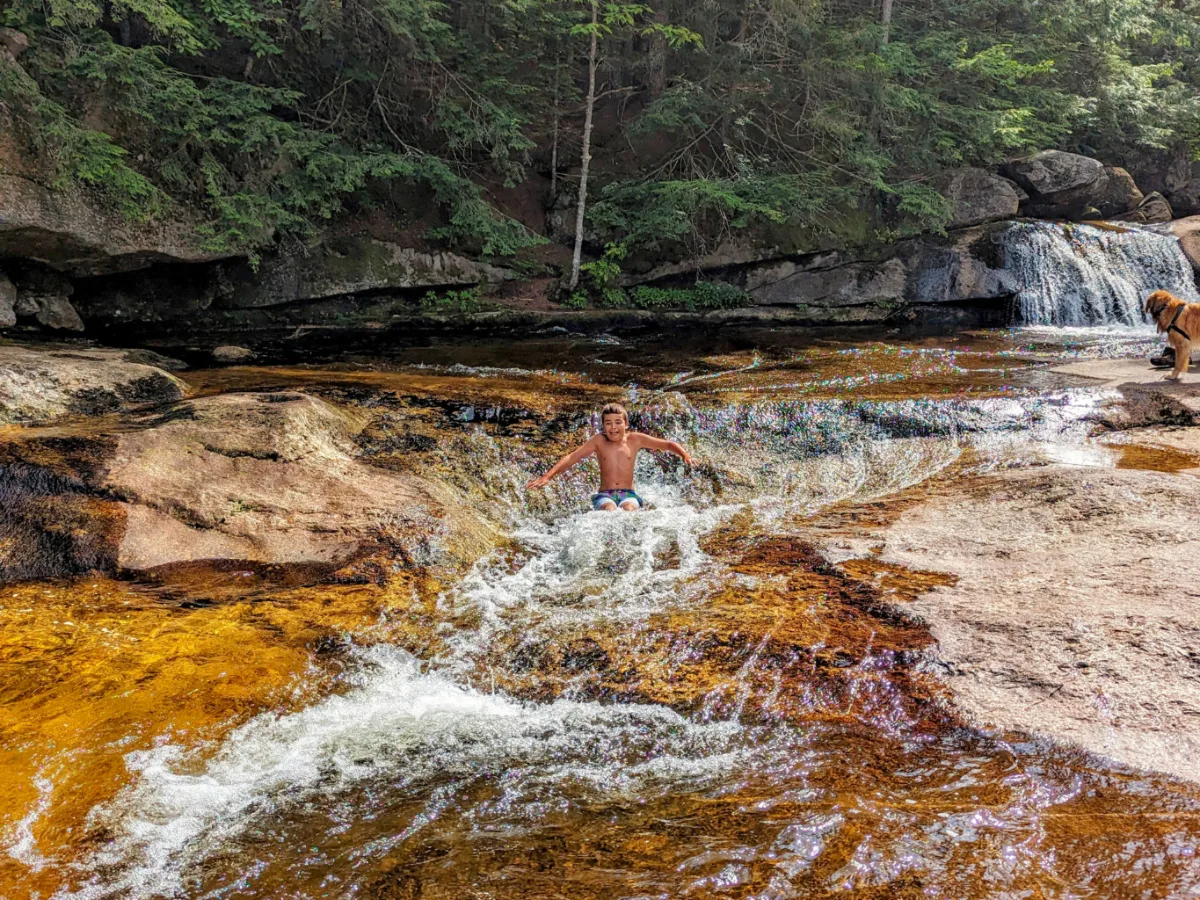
x,y
1154,209
979,196
8,302
43,295
267,477
55,311
1188,232
1070,186
231,354
38,386
1116,193
348,265
13,43
1054,172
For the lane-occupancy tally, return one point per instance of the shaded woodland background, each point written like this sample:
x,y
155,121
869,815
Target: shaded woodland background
x,y
463,121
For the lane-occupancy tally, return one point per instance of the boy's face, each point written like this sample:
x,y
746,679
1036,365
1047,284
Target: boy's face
x,y
614,426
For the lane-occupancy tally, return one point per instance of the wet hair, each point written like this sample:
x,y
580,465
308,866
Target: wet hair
x,y
612,409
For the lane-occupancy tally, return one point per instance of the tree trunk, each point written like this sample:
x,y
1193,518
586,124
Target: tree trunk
x,y
658,58
887,20
554,145
587,149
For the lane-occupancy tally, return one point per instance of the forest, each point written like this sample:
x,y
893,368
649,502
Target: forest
x,y
267,120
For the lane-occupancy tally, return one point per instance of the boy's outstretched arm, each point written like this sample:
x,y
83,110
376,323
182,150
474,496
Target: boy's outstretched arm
x,y
653,443
575,456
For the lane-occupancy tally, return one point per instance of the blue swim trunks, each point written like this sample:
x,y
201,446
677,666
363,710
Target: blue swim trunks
x,y
618,497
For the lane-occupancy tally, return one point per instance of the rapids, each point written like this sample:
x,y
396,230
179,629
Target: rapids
x,y
689,701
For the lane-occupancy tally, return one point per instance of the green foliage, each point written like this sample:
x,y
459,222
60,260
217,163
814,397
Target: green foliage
x,y
704,295
452,302
714,118
604,275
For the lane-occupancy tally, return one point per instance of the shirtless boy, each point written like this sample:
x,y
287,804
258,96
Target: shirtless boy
x,y
616,448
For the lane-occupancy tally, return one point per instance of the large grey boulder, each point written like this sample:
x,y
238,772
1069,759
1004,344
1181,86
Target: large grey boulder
x,y
979,196
1116,192
1070,186
42,385
1053,172
1154,209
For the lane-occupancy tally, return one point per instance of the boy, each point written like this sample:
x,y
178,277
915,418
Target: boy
x,y
616,447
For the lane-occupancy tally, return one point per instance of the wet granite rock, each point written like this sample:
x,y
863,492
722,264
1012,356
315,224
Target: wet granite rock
x,y
273,478
1074,613
231,354
1153,209
45,384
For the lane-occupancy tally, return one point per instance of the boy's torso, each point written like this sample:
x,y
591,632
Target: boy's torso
x,y
616,463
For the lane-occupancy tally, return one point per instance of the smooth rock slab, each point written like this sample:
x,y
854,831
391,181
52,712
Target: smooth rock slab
x,y
41,385
1077,609
270,478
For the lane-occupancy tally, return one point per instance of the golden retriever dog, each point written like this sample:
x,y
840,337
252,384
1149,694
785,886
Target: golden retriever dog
x,y
1180,321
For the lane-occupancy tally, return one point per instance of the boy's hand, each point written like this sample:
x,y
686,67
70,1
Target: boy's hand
x,y
686,457
540,481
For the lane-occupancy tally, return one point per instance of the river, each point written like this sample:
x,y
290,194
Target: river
x,y
715,697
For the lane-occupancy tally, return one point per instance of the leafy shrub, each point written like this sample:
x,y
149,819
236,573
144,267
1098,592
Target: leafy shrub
x,y
703,295
454,302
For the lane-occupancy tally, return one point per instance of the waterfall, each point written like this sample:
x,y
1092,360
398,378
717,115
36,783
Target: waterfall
x,y
1084,275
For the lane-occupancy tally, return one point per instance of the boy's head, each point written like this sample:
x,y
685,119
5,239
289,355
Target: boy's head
x,y
614,421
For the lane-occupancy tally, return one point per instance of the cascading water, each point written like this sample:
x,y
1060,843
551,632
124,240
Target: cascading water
x,y
426,734
689,701
1079,275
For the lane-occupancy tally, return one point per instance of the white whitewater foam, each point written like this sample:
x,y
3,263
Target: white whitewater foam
x,y
1079,275
412,728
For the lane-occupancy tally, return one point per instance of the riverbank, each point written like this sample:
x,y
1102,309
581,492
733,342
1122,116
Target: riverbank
x,y
1073,611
